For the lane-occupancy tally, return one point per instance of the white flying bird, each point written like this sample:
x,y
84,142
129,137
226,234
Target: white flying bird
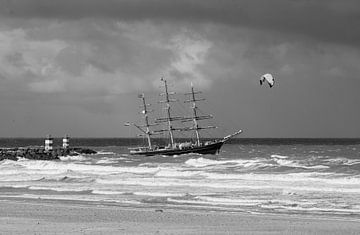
x,y
269,78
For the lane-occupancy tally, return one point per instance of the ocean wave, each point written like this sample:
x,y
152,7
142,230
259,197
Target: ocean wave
x,y
295,182
106,161
61,167
60,189
233,204
105,153
107,192
250,202
204,162
18,186
79,197
177,173
278,156
158,194
297,207
289,206
296,164
306,177
229,201
73,158
19,178
7,162
76,179
343,161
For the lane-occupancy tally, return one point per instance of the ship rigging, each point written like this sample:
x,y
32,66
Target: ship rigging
x,y
176,148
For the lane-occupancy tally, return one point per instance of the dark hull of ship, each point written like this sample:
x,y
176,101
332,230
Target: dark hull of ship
x,y
206,149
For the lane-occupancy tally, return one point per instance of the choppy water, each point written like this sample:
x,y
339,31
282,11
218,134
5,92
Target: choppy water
x,y
315,177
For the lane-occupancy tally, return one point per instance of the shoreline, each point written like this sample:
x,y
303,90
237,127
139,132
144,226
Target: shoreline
x,y
165,207
55,216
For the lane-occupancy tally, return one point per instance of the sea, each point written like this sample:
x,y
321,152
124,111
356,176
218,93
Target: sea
x,y
310,177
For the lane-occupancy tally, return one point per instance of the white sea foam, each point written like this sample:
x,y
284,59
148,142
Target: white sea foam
x,y
278,156
204,162
177,176
88,198
158,194
105,153
65,197
73,158
176,173
22,159
289,205
344,161
213,183
283,161
229,201
20,178
296,164
7,162
61,167
291,177
295,182
307,178
15,186
107,192
58,189
106,161
296,207
220,202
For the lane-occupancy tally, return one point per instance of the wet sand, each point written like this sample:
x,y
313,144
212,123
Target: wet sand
x,y
57,217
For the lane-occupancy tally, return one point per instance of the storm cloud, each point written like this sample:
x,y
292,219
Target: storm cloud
x,y
328,20
86,60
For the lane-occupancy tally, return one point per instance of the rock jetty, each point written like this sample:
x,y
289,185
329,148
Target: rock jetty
x,y
40,153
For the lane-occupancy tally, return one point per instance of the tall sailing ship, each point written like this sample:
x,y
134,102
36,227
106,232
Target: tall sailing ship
x,y
174,147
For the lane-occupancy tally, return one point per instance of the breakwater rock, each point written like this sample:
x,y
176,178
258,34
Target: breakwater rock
x,y
40,153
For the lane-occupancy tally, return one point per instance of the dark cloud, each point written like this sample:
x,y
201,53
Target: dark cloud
x,y
16,59
329,20
86,58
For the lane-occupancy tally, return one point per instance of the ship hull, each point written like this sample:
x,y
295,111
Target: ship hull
x,y
206,149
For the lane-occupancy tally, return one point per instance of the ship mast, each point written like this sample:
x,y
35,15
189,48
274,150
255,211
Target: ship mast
x,y
147,125
168,113
195,117
194,108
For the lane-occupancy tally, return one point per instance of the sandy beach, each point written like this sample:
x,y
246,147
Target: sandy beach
x,y
56,217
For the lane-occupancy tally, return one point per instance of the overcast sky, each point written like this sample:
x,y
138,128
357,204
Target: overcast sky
x,y
76,67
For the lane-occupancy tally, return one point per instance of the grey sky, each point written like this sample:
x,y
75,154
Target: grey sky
x,y
76,66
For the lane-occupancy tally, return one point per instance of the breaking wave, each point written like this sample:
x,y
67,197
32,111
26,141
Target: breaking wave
x,y
73,158
254,178
204,162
